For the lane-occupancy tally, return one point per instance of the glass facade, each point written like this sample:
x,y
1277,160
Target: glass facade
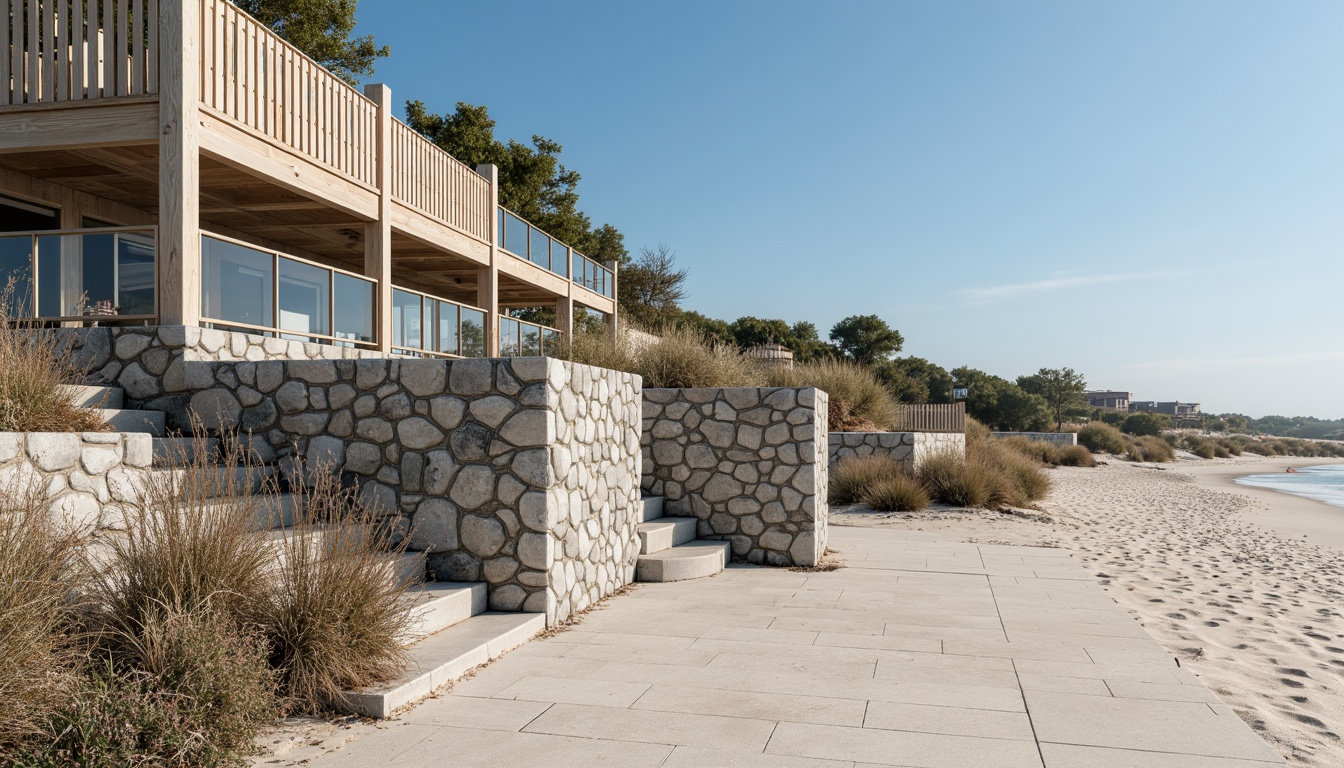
x,y
105,274
237,284
353,301
473,332
509,345
305,299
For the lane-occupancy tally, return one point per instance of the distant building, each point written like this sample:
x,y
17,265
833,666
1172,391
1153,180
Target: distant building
x,y
1116,401
1176,410
771,355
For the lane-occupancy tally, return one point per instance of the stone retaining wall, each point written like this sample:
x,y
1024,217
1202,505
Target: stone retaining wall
x,y
910,448
750,464
522,472
1056,438
85,477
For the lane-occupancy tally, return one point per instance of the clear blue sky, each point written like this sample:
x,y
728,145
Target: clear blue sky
x,y
1151,193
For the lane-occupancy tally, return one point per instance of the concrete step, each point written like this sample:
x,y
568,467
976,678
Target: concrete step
x,y
404,567
442,658
665,533
244,481
123,420
271,510
688,561
437,605
652,508
180,451
97,397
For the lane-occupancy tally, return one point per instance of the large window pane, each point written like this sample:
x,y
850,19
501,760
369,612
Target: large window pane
x,y
135,273
406,317
515,235
237,284
354,308
50,280
540,251
448,328
305,299
559,258
473,333
531,341
16,274
98,272
508,337
550,338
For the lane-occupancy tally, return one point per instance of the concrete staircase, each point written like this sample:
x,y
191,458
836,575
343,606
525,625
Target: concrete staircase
x,y
669,551
451,631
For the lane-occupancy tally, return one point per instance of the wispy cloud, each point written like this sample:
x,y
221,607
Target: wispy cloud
x,y
1016,290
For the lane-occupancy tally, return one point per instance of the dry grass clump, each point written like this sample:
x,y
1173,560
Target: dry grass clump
x,y
950,479
1149,448
1015,480
334,615
1074,456
977,431
37,573
899,493
1049,453
681,357
853,477
34,376
858,401
1099,437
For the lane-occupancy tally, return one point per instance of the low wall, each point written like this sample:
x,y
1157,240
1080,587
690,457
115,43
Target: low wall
x,y
750,464
910,448
85,477
1056,438
519,472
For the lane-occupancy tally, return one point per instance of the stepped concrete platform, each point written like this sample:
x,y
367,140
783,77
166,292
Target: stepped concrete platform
x,y
693,560
130,420
921,652
665,533
97,397
651,508
180,451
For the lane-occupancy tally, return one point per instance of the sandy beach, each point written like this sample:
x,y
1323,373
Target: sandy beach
x,y
1244,585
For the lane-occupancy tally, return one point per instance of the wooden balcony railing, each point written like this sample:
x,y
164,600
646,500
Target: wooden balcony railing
x,y
251,75
437,184
931,418
67,50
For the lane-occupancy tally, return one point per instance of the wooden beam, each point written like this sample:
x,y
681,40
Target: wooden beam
x,y
79,126
378,234
419,227
39,191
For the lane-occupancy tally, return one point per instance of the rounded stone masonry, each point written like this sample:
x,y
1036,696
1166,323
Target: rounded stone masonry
x,y
750,464
910,448
86,479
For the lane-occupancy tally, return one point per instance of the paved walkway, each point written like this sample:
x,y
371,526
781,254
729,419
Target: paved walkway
x,y
919,652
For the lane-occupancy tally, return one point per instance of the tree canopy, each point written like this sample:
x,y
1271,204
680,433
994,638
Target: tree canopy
x,y
1000,403
1062,389
916,380
322,29
652,288
866,339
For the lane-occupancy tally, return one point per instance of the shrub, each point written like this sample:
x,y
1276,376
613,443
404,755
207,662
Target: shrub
x,y
899,493
858,400
1146,424
1102,438
853,477
1014,479
1204,450
35,583
680,357
950,479
1038,450
34,374
1150,448
334,616
1074,456
976,431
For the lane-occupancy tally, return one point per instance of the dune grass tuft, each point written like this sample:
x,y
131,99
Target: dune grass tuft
x,y
35,377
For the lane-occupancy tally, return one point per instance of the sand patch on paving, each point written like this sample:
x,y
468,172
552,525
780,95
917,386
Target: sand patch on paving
x,y
1254,610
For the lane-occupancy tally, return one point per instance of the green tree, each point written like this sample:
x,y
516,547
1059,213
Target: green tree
x,y
801,337
533,183
1000,403
1146,423
866,339
1062,389
322,29
652,288
713,329
916,380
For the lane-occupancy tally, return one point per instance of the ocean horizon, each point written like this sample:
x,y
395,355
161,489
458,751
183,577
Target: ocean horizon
x,y
1324,483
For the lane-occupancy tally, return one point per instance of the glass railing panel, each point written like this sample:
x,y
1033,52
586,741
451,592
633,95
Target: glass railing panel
x,y
16,271
508,337
407,316
515,235
354,301
559,258
539,252
237,283
305,299
550,339
530,345
136,281
51,283
448,335
97,259
473,332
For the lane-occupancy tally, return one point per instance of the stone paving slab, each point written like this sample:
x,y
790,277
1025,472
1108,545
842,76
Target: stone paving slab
x,y
920,653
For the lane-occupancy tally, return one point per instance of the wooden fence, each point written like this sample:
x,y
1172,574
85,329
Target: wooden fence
x,y
252,76
438,184
931,418
66,50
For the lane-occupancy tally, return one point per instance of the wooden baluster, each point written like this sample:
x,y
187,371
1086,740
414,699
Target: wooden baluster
x,y
6,87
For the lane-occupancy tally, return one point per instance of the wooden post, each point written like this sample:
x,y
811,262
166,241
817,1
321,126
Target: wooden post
x,y
612,326
72,288
378,234
564,313
179,243
487,278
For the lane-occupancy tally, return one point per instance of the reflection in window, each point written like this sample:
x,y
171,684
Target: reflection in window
x,y
305,299
135,274
508,337
540,251
473,333
559,258
237,284
550,338
406,319
354,308
515,235
531,340
448,328
16,272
